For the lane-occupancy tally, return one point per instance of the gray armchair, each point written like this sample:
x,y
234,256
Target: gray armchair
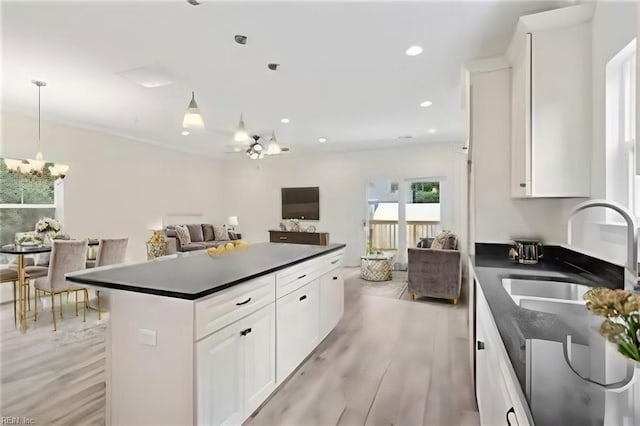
x,y
434,273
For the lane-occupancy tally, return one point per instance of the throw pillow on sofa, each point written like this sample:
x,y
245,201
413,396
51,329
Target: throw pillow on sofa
x,y
445,240
195,232
207,232
221,233
183,234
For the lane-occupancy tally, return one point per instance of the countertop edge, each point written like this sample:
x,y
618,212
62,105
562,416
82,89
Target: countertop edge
x,y
195,296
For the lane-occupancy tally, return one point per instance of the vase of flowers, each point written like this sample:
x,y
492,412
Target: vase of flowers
x,y
48,228
621,310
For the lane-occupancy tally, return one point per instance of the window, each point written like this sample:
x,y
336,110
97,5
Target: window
x,y
24,199
623,179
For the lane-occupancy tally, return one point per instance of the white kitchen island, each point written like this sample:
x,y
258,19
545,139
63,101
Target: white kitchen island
x,y
196,339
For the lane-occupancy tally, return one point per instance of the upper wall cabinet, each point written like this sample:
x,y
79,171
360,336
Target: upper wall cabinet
x,y
550,56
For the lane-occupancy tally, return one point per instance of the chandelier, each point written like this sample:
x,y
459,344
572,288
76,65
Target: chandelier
x,y
36,166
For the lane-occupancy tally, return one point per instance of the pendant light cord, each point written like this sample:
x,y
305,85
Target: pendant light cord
x,y
39,87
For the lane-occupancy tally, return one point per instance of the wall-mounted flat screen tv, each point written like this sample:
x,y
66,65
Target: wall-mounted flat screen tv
x,y
301,203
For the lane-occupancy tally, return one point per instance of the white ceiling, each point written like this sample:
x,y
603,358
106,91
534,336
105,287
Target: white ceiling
x,y
344,74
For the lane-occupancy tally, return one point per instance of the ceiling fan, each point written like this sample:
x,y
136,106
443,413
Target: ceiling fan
x,y
257,147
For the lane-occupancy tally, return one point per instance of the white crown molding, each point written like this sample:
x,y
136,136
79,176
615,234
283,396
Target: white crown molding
x,y
106,131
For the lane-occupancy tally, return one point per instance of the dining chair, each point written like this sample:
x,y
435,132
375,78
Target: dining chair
x,y
66,256
7,276
111,251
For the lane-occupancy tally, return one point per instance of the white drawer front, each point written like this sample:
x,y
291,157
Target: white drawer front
x,y
294,277
230,305
332,261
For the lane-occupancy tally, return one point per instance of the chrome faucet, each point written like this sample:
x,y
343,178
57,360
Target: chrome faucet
x,y
631,268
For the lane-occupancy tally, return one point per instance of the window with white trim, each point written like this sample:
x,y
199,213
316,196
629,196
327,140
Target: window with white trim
x,y
623,179
25,198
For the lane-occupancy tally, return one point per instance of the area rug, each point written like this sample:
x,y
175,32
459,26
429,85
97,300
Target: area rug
x,y
393,289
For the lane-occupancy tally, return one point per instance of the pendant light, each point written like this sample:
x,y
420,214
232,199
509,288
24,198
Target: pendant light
x,y
241,134
192,117
38,164
274,147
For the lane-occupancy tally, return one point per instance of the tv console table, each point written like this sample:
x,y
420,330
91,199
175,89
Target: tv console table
x,y
316,238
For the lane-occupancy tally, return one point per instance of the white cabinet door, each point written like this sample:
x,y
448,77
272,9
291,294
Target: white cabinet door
x,y
500,401
236,369
521,120
218,376
331,301
551,110
494,403
297,319
259,347
561,111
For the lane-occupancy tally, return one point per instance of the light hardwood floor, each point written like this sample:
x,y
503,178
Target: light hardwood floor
x,y
389,362
53,378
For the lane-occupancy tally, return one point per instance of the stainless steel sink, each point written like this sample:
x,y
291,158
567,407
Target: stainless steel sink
x,y
564,308
537,289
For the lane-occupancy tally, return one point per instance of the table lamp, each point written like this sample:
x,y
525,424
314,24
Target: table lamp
x,y
232,221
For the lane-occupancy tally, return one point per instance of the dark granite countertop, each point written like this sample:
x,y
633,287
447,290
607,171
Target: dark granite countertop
x,y
519,326
196,274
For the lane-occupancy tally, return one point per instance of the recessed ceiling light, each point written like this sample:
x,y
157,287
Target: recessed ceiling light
x,y
285,121
322,140
414,50
185,133
426,104
432,130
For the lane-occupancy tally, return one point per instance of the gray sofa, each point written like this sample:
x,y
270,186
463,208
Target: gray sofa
x,y
202,237
435,272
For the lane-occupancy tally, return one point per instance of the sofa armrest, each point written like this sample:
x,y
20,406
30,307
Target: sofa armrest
x,y
173,245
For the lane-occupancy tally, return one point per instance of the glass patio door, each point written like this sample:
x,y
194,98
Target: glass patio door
x,y
399,213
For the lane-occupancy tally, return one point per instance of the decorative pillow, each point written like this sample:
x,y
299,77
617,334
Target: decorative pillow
x,y
170,231
441,240
207,232
221,233
195,232
451,243
233,235
183,234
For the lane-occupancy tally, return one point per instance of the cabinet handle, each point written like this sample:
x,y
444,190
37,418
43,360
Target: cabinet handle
x,y
283,238
335,261
243,303
480,345
301,276
523,185
335,278
511,411
303,297
245,332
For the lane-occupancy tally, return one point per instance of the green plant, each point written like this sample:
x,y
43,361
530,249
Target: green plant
x,y
622,312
